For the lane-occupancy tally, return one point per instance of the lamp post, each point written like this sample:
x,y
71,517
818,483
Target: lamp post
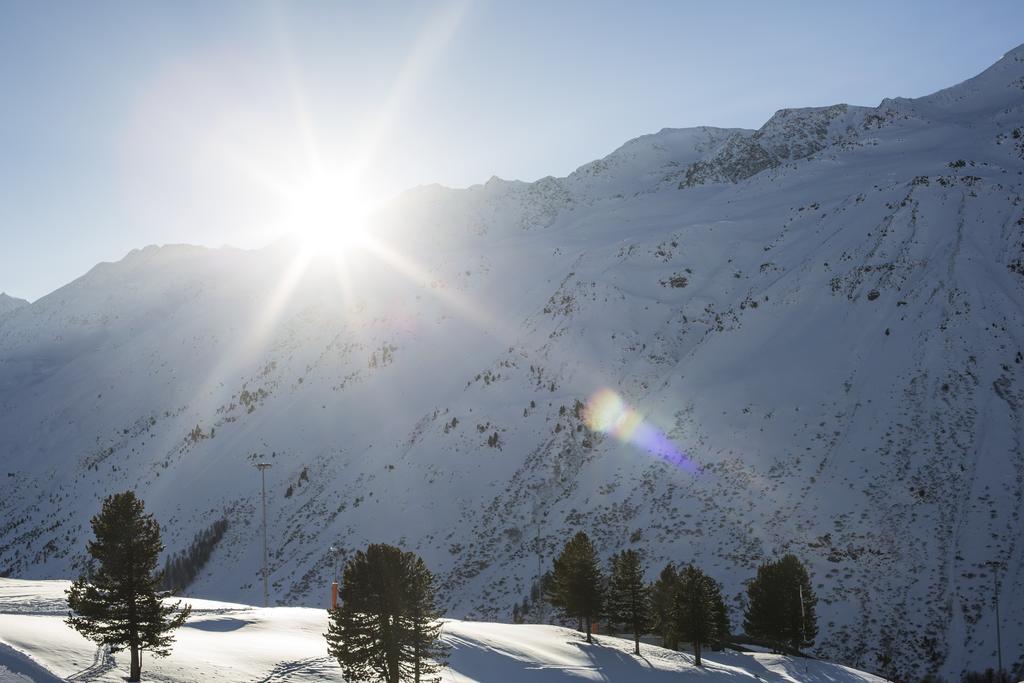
x,y
996,566
263,467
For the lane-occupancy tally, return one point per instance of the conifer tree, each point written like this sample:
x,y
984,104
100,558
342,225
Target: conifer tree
x,y
386,627
662,600
722,629
628,599
363,631
781,605
119,603
424,651
577,585
697,604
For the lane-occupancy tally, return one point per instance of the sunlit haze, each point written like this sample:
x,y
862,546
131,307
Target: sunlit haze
x,y
223,123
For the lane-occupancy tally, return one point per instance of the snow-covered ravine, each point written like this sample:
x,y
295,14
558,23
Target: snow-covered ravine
x,y
231,642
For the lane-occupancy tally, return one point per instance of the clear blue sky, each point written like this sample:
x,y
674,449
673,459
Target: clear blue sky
x,y
124,124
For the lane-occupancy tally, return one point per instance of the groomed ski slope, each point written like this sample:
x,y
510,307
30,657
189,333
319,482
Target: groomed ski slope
x,y
230,642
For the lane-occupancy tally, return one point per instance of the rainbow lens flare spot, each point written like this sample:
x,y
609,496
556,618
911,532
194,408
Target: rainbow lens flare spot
x,y
608,412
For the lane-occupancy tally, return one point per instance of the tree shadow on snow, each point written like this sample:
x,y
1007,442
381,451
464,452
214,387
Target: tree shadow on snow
x,y
489,662
219,625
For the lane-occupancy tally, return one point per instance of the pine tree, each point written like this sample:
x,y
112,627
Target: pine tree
x,y
781,605
119,603
662,601
628,599
722,627
422,646
697,604
387,625
577,585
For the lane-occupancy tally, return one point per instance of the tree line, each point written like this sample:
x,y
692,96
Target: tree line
x,y
182,568
388,624
683,604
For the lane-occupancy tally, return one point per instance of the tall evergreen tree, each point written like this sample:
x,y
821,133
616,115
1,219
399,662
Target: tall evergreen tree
x,y
577,585
698,601
119,603
424,650
387,626
628,599
362,632
781,605
722,626
662,600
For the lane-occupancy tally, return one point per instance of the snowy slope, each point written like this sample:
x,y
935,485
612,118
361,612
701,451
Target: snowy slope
x,y
233,642
823,314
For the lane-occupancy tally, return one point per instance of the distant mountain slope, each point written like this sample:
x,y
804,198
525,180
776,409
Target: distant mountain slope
x,y
824,315
231,642
9,303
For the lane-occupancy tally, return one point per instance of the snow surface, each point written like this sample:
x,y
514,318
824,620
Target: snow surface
x,y
843,367
232,642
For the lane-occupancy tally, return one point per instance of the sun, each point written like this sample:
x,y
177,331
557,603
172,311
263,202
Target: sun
x,y
328,217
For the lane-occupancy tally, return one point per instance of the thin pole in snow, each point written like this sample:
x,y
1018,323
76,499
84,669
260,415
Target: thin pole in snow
x,y
263,467
335,555
995,597
803,621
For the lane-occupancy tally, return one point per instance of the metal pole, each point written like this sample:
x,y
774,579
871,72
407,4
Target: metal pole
x,y
262,467
803,622
541,598
996,566
999,636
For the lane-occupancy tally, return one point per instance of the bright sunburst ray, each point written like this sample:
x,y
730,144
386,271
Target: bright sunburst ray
x,y
425,51
414,272
327,214
325,209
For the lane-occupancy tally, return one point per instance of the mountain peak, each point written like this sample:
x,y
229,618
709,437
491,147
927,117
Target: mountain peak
x,y
9,303
996,91
1016,54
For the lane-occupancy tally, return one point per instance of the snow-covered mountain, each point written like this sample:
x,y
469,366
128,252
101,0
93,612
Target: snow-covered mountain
x,y
824,315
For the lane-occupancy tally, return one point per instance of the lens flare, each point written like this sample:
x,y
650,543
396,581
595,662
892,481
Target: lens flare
x,y
607,412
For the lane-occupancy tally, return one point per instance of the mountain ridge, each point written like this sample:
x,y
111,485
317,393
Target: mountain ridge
x,y
10,303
